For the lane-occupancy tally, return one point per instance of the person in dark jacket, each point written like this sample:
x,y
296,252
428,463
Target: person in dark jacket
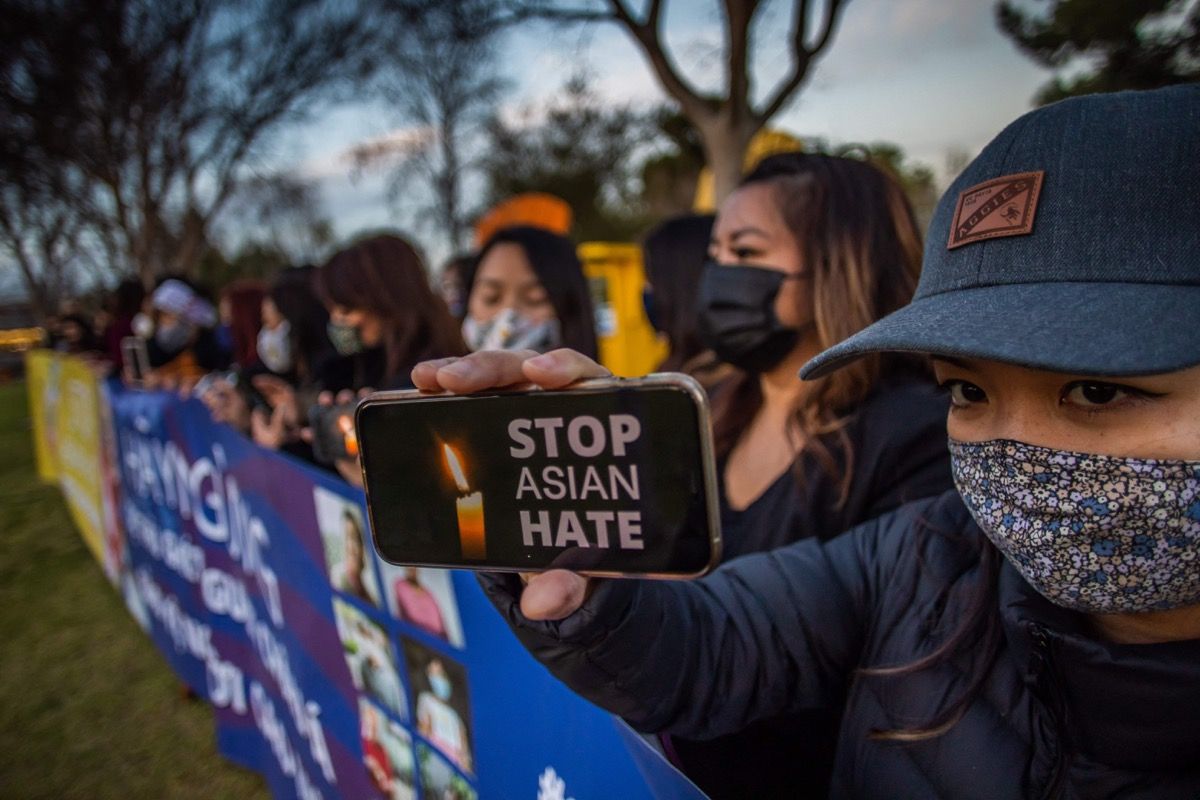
x,y
1035,633
808,250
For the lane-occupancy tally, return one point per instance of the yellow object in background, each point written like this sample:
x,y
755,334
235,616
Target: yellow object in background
x,y
628,345
766,142
65,404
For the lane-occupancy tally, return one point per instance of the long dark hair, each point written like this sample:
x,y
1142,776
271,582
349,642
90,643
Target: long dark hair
x,y
860,243
556,264
128,298
674,254
978,634
292,293
385,276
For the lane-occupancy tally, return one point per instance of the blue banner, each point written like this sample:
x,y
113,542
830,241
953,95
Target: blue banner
x,y
332,673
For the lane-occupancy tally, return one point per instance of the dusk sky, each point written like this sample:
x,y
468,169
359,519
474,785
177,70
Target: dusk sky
x,y
934,76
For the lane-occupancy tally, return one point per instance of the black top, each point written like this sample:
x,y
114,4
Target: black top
x,y
364,370
898,443
1057,713
898,452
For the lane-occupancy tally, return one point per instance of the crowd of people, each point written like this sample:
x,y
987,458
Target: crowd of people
x,y
1015,615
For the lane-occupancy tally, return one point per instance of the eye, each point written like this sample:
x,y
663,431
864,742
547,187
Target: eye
x,y
1094,395
963,394
536,298
745,253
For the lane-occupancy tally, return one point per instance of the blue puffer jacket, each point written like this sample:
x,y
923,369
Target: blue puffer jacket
x,y
1055,712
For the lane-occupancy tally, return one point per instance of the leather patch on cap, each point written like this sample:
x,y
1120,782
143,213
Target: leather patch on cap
x,y
1001,207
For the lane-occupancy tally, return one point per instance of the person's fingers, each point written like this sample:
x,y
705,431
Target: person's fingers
x,y
325,399
363,392
560,368
424,374
487,369
345,396
553,595
306,435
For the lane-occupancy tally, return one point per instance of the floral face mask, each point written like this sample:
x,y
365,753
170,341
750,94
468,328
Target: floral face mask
x,y
1097,534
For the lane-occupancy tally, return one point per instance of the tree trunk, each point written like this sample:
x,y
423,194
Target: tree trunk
x,y
725,141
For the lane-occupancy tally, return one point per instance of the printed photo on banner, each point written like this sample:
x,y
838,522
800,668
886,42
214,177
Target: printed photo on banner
x,y
387,754
425,598
347,546
439,781
369,658
443,708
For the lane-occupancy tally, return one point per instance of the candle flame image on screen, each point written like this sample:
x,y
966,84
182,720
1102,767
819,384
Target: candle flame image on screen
x,y
460,479
469,508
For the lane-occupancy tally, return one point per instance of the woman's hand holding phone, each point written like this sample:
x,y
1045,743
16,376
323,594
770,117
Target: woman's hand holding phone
x,y
555,594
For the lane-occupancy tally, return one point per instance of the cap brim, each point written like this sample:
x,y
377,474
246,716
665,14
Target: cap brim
x,y
1106,329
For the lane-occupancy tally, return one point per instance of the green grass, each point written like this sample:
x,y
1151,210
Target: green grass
x,y
88,708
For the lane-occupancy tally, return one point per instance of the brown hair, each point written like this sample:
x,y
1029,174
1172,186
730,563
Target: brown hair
x,y
245,309
385,276
861,247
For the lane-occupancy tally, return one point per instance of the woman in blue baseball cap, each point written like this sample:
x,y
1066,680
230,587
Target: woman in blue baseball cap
x,y
1035,633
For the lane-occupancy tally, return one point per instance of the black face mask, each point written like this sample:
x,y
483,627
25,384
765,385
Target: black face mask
x,y
737,316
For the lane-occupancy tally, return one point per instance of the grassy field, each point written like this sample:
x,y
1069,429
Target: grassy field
x,y
88,709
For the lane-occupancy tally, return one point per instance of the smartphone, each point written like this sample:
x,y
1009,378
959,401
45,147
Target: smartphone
x,y
135,360
334,436
611,478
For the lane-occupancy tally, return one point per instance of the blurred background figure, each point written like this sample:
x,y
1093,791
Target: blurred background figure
x,y
528,291
183,343
674,253
75,335
294,340
124,304
453,282
240,312
383,316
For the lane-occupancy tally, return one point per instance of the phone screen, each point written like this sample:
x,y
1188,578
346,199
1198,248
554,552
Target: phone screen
x,y
610,481
135,358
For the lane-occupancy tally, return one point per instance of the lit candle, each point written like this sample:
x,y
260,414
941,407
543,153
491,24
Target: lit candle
x,y
471,534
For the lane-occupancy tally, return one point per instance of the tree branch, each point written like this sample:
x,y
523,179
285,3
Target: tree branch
x,y
646,34
802,55
738,16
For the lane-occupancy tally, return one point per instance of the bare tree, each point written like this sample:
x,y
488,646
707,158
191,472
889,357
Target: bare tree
x,y
158,109
441,78
284,213
727,120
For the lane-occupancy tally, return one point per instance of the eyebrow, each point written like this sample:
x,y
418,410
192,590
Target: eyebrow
x,y
747,231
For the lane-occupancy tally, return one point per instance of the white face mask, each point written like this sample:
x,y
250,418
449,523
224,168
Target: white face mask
x,y
143,326
510,330
275,348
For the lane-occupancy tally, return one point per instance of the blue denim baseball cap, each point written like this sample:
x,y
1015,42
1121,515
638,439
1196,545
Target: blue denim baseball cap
x,y
1071,244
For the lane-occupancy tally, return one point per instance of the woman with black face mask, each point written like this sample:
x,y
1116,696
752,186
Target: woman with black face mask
x,y
809,250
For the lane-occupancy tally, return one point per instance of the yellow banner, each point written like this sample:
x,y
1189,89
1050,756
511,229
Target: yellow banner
x,y
65,404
